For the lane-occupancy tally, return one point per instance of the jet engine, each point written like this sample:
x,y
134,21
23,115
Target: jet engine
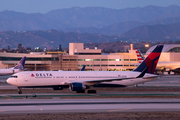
x,y
77,87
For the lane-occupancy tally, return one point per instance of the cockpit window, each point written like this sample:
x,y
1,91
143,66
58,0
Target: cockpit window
x,y
14,76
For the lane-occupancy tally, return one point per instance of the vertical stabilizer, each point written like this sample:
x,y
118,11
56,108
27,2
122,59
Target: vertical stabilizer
x,y
21,63
140,57
151,60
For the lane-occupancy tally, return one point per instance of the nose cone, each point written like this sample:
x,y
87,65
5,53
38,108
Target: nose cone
x,y
8,80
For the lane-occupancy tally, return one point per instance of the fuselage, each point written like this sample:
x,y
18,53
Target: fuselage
x,y
54,78
168,65
8,71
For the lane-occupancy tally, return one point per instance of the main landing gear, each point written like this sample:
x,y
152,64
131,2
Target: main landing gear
x,y
19,90
89,91
82,91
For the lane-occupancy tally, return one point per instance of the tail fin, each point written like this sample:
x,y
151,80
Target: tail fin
x,y
21,63
151,60
82,69
139,55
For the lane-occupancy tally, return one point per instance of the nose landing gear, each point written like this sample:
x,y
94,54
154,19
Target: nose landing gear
x,y
19,90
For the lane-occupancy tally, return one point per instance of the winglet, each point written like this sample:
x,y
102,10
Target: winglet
x,y
82,69
143,73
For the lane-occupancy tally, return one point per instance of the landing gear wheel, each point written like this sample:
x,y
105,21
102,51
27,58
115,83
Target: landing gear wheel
x,y
19,91
91,91
82,91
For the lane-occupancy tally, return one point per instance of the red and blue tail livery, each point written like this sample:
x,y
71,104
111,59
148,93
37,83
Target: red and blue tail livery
x,y
151,60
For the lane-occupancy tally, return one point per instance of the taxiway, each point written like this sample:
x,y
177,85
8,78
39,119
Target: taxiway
x,y
87,105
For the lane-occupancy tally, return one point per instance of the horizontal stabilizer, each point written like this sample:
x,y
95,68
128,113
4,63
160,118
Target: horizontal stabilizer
x,y
143,73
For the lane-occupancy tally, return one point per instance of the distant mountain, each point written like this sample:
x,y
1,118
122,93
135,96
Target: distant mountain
x,y
95,25
54,38
76,17
50,38
121,27
114,29
15,21
155,32
100,17
165,21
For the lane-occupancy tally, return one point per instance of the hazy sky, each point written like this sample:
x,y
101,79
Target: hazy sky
x,y
43,6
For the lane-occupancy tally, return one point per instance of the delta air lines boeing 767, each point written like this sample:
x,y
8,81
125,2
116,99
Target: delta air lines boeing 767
x,y
79,81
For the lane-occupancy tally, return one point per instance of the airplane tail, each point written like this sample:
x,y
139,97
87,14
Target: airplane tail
x,y
140,57
21,63
151,60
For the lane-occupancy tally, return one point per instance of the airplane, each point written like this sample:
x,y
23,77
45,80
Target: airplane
x,y
19,67
79,81
163,66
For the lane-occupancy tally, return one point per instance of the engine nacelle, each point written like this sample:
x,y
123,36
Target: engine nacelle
x,y
77,87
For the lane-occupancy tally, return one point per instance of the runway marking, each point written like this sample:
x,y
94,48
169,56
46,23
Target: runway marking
x,y
31,106
119,110
93,95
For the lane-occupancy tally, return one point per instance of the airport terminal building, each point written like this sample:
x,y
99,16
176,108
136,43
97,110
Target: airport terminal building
x,y
170,52
38,61
78,56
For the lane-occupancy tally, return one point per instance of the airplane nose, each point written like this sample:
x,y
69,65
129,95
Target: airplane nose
x,y
8,80
11,81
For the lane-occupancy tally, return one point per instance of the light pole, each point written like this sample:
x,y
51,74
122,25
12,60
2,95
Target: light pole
x,y
146,46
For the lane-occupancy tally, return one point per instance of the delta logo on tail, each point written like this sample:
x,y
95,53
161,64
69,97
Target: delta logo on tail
x,y
151,60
